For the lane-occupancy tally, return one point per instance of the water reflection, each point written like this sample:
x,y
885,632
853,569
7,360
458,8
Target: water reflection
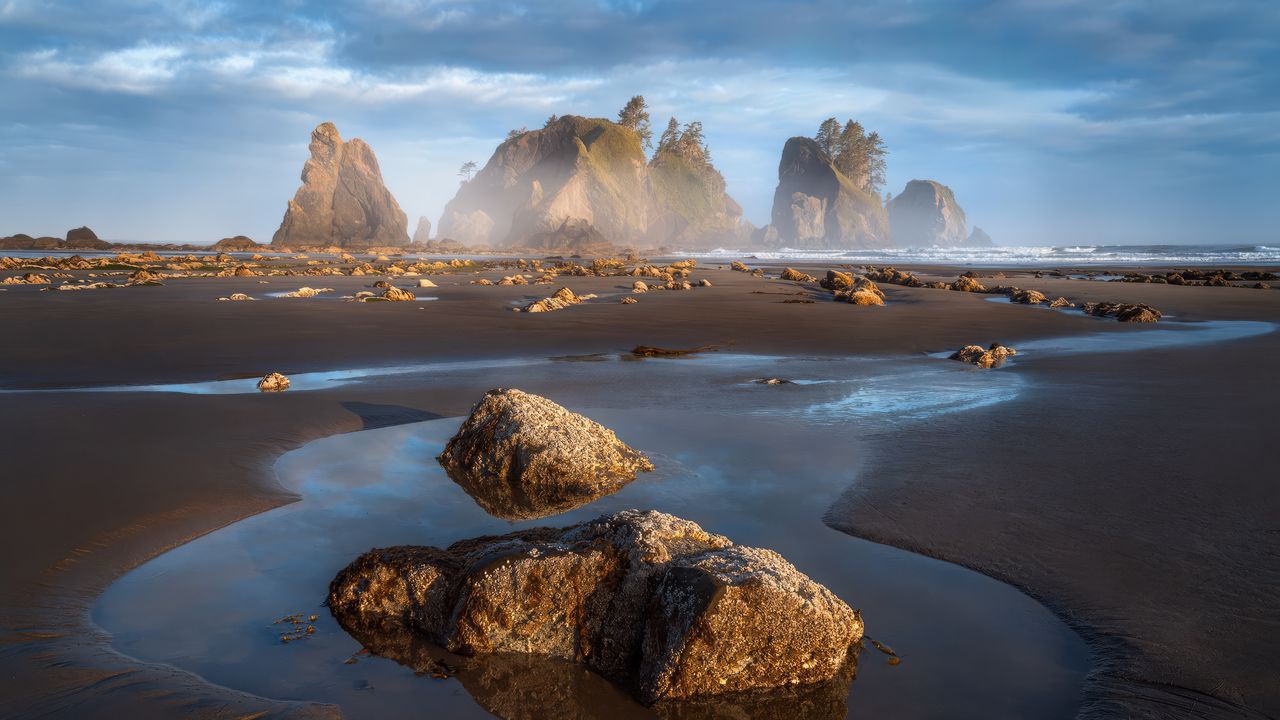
x,y
509,499
533,687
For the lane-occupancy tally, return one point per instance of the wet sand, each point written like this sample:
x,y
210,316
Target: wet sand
x,y
1128,492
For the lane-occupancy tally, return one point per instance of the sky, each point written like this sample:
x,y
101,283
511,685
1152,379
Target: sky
x,y
1056,122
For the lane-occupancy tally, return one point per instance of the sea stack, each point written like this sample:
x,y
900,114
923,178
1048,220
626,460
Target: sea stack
x,y
582,184
423,233
926,214
816,207
343,201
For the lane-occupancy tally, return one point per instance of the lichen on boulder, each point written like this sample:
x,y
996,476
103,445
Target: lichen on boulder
x,y
648,600
521,456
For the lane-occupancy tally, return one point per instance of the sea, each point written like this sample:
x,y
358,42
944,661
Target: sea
x,y
1026,256
1000,256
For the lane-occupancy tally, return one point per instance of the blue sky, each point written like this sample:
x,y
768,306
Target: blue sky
x,y
1055,121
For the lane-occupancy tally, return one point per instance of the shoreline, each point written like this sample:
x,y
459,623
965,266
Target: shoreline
x,y
583,328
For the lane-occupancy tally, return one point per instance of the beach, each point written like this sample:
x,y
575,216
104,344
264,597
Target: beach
x,y
1128,492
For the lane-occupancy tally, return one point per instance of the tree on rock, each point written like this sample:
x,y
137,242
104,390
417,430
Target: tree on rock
x,y
855,153
468,169
635,116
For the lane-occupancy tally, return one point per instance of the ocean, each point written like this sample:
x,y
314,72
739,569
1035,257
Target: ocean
x,y
1030,256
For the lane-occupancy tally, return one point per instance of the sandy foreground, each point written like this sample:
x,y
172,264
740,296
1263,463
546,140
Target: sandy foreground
x,y
1132,493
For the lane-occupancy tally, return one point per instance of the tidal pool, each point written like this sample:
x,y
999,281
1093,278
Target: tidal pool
x,y
759,463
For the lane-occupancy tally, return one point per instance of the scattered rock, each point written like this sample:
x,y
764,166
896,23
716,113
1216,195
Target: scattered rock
x,y
964,283
1123,312
796,276
992,357
273,382
648,600
559,300
774,381
425,283
482,281
306,292
1061,303
639,286
861,297
395,294
628,301
520,455
1027,297
650,351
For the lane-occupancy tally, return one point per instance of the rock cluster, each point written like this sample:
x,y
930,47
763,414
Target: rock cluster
x,y
796,276
648,600
991,357
850,288
1124,312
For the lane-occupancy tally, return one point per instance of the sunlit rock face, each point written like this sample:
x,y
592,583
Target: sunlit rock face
x,y
423,232
523,456
926,213
580,184
816,207
648,600
343,201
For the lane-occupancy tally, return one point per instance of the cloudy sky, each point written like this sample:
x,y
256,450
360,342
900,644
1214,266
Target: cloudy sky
x,y
1055,121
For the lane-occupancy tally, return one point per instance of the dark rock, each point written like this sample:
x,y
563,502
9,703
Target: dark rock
x,y
816,207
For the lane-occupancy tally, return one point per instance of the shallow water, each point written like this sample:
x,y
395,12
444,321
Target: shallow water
x,y
758,463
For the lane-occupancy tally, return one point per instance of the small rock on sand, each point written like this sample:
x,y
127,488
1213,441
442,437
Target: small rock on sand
x,y
273,382
992,357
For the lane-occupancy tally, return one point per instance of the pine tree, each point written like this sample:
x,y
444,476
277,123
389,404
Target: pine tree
x,y
849,157
467,169
670,137
828,136
875,153
635,116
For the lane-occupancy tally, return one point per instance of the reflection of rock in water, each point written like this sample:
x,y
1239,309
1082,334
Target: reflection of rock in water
x,y
532,687
522,456
651,601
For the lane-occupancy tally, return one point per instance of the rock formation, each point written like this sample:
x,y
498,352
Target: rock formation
x,y
1124,312
815,207
992,357
239,243
342,201
84,238
522,456
979,239
648,600
559,300
691,205
580,184
926,213
422,235
796,276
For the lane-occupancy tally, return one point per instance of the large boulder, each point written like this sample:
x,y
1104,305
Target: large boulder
x,y
816,207
343,201
646,599
926,213
520,456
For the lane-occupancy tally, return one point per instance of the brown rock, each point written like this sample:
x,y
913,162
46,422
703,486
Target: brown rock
x,y
520,455
342,200
395,294
992,357
796,276
559,300
964,283
1027,297
273,382
646,599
